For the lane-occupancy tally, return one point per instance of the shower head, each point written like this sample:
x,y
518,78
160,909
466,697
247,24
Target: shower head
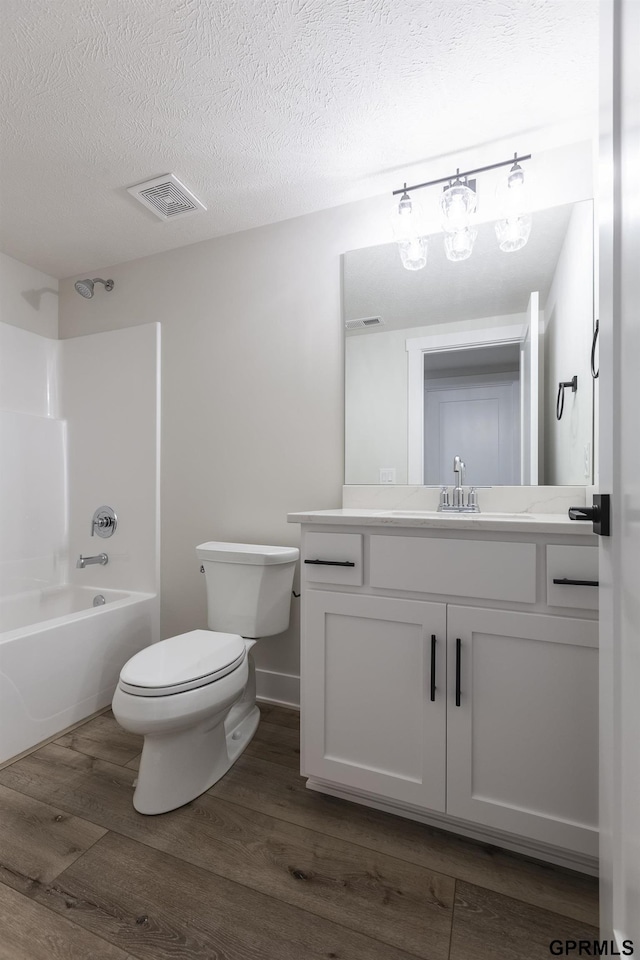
x,y
85,287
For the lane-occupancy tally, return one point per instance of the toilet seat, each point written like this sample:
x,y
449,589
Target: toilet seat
x,y
185,662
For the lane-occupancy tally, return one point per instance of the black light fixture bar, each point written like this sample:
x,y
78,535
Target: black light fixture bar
x,y
458,175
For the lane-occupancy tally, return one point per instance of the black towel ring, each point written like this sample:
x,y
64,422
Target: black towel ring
x,y
595,373
573,383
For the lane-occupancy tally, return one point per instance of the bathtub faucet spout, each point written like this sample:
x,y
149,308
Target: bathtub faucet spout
x,y
85,561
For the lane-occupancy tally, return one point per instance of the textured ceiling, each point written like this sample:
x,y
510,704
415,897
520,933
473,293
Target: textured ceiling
x,y
266,109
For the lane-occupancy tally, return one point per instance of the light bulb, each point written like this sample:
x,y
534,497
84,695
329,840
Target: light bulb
x,y
407,219
513,232
413,253
459,245
458,203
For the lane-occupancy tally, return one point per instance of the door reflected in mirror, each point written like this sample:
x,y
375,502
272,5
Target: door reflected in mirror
x,y
464,358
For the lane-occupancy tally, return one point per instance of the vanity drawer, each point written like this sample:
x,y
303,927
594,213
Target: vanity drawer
x,y
486,569
333,558
572,563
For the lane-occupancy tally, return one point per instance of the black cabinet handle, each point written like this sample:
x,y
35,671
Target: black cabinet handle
x,y
458,664
567,582
332,563
433,666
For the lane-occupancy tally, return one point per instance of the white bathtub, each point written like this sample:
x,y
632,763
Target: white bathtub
x,y
60,657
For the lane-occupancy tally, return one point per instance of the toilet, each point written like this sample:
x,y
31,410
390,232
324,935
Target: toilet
x,y
193,696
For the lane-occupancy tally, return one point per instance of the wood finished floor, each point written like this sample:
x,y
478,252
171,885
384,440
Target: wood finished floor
x,y
258,868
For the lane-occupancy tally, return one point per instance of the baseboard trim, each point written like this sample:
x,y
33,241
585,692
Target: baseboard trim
x,y
569,859
279,688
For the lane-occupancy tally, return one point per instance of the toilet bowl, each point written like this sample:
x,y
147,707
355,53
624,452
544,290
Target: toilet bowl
x,y
192,696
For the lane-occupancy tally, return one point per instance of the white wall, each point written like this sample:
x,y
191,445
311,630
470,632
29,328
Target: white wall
x,y
567,343
252,379
110,392
28,298
252,388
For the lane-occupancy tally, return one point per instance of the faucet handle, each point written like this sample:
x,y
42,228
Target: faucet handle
x,y
104,522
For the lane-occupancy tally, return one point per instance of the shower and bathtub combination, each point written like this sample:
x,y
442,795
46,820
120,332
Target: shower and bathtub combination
x,y
79,428
61,651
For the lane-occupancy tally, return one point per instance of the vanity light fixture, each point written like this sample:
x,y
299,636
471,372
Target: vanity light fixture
x,y
458,205
513,230
408,228
459,245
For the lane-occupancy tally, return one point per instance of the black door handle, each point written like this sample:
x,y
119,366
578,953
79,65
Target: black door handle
x,y
599,514
584,513
458,666
595,373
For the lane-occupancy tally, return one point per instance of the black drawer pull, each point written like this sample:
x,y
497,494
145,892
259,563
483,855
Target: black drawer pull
x,y
332,563
433,666
566,582
458,664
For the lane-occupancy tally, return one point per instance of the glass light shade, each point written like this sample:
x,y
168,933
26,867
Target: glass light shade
x,y
513,232
407,219
458,204
413,253
459,245
511,194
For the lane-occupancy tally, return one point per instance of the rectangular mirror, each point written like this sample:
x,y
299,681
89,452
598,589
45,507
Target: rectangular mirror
x,y
466,358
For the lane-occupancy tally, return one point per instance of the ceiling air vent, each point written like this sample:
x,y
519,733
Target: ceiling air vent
x,y
166,197
364,322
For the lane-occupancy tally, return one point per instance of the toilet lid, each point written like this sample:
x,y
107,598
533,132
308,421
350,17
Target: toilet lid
x,y
185,662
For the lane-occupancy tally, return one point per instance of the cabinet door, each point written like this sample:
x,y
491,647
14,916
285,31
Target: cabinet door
x,y
523,742
368,717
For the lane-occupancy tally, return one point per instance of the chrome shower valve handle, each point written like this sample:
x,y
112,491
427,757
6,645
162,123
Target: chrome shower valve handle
x,y
104,522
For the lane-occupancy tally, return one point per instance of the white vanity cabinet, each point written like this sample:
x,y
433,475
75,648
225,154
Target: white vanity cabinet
x,y
374,696
522,724
439,683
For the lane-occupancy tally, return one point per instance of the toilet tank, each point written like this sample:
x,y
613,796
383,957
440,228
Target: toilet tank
x,y
248,587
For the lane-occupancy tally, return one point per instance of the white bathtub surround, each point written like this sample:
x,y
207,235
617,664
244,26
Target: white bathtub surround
x,y
61,669
33,503
79,428
519,499
28,372
110,396
33,500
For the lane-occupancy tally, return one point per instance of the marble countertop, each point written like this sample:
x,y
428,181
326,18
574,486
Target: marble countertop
x,y
557,523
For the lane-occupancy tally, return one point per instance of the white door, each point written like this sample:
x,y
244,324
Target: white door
x,y
522,724
529,363
619,474
477,421
373,696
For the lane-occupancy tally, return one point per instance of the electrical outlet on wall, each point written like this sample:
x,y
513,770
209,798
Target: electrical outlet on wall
x,y
387,474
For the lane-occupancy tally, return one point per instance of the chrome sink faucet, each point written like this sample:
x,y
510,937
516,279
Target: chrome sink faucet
x,y
458,492
83,562
457,504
